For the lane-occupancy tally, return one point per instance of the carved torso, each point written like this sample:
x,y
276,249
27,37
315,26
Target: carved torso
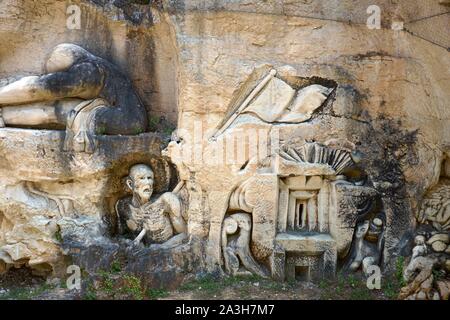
x,y
151,216
157,223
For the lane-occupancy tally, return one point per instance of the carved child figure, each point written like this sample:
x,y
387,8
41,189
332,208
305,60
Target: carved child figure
x,y
421,248
236,233
158,219
367,246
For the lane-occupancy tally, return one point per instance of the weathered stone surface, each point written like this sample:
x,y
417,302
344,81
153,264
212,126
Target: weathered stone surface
x,y
444,289
439,246
48,185
136,38
158,267
344,212
383,92
376,90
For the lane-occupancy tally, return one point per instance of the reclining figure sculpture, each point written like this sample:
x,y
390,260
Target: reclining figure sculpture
x,y
81,92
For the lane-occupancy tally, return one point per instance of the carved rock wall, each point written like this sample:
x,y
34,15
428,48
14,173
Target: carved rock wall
x,y
189,59
41,185
391,98
144,48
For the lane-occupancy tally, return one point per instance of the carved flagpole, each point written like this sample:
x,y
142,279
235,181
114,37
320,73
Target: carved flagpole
x,y
246,102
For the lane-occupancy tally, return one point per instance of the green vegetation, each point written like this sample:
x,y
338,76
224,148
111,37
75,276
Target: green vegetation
x,y
115,284
399,267
132,287
347,287
155,294
58,235
116,266
161,125
26,293
393,284
208,285
391,289
90,293
100,130
138,130
211,284
153,122
107,283
360,293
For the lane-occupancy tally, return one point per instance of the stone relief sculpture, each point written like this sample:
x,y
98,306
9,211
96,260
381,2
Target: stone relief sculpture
x,y
419,277
287,105
237,255
238,198
421,248
436,207
368,245
48,196
288,215
318,155
62,202
317,204
156,220
82,92
431,253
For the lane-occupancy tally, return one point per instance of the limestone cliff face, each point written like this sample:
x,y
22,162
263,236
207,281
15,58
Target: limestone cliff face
x,y
392,93
187,59
125,37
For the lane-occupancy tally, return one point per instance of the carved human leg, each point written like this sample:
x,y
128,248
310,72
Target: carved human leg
x,y
366,263
79,81
420,268
39,114
231,261
250,263
73,72
26,90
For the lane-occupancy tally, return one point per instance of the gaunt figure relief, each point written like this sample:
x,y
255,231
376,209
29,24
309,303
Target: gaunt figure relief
x,y
82,92
152,219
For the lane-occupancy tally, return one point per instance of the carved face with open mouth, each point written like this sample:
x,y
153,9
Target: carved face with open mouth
x,y
140,181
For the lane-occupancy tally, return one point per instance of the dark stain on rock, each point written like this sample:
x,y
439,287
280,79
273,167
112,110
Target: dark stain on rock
x,y
389,149
371,54
354,94
134,11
